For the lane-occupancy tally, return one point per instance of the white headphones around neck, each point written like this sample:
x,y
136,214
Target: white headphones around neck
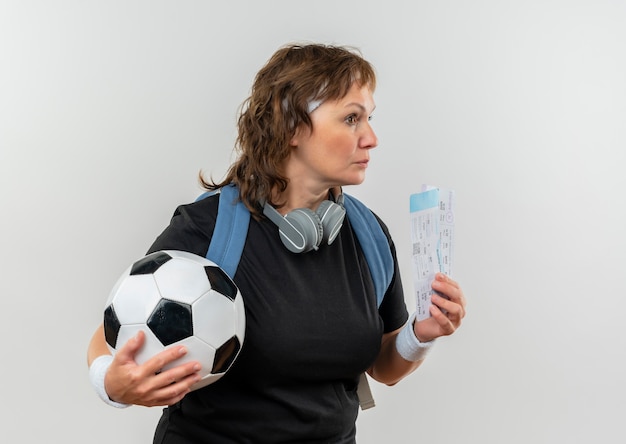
x,y
302,230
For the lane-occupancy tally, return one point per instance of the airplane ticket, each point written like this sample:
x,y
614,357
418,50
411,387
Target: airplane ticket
x,y
432,237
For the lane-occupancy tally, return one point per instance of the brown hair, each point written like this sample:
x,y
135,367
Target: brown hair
x,y
278,104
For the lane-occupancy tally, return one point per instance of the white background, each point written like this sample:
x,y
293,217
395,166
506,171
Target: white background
x,y
109,109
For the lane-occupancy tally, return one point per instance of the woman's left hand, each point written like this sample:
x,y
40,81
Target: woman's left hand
x,y
447,310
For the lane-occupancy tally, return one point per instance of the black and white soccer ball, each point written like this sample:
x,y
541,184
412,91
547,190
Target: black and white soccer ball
x,y
178,298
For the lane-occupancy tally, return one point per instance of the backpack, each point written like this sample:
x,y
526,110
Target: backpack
x,y
229,238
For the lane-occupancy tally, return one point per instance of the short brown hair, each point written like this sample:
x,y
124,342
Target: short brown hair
x,y
278,104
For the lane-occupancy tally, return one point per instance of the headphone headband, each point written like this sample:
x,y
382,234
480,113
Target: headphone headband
x,y
303,229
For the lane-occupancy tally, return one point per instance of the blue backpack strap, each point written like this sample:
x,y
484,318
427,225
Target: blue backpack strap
x,y
231,229
380,262
374,243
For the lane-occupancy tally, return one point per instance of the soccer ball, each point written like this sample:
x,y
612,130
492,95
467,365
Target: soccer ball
x,y
178,298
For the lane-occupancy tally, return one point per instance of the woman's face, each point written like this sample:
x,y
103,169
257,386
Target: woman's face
x,y
336,151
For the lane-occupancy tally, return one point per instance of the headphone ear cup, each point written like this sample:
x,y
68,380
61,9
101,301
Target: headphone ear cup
x,y
301,230
331,216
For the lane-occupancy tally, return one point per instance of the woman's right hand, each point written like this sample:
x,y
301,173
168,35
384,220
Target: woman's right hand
x,y
129,383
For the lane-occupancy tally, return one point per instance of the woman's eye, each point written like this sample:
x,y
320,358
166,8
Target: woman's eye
x,y
352,119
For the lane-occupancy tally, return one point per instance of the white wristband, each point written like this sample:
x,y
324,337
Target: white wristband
x,y
408,346
97,371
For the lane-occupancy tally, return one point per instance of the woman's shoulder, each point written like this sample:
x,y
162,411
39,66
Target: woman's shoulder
x,y
355,205
190,227
204,208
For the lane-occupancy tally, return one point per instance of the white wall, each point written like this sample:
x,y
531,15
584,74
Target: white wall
x,y
109,109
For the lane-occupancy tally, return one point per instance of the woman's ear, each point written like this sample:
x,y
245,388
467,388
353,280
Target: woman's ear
x,y
295,139
301,131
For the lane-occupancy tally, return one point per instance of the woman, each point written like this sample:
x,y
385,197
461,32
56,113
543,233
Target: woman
x,y
312,321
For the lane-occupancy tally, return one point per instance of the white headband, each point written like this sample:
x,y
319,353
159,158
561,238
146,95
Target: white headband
x,y
313,105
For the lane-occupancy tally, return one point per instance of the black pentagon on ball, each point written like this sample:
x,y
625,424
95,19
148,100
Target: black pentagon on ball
x,y
150,263
170,321
111,326
220,282
225,355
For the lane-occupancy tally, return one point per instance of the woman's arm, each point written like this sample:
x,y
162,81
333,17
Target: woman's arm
x,y
127,382
447,311
97,345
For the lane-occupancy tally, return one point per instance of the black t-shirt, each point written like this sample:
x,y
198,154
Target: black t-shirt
x,y
312,327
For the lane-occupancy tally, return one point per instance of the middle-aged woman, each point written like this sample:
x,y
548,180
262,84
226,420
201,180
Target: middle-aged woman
x,y
313,325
